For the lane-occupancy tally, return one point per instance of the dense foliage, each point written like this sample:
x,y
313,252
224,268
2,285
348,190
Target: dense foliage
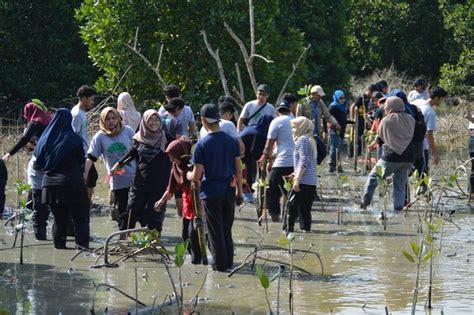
x,y
43,53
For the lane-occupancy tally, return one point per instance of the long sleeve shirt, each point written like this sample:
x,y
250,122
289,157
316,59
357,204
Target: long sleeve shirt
x,y
304,157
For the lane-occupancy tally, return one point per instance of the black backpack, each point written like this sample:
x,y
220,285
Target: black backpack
x,y
420,125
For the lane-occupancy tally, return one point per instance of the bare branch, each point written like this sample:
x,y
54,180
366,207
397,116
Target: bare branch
x,y
215,55
295,66
261,57
252,29
245,54
239,98
258,42
159,58
149,64
136,39
241,86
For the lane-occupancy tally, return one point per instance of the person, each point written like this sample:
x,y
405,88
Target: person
x,y
185,116
395,134
36,117
125,106
227,108
179,152
3,185
305,177
151,176
471,152
420,91
382,86
279,153
80,125
427,107
377,117
291,99
217,157
112,142
250,115
358,111
338,110
308,106
173,127
60,156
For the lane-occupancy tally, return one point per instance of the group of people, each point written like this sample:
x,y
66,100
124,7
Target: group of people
x,y
151,158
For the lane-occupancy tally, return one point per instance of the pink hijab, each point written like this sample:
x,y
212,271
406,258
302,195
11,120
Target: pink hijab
x,y
148,137
128,111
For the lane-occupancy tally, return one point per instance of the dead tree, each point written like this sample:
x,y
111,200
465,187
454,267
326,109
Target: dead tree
x,y
215,55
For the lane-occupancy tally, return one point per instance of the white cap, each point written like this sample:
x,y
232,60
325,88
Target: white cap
x,y
318,89
471,125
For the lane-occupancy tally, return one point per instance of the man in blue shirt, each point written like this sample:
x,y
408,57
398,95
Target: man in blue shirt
x,y
216,160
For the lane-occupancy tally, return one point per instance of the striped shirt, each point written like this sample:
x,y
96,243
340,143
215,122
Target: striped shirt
x,y
305,157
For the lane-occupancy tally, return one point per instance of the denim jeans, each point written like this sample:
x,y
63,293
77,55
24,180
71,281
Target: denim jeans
x,y
399,180
335,143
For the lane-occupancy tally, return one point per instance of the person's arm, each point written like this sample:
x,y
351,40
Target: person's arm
x,y
241,147
159,204
31,131
131,155
240,121
87,167
238,171
268,150
191,127
433,148
352,111
196,174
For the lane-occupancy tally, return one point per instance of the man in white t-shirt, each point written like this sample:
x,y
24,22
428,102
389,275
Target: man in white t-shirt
x,y
279,152
427,107
185,116
420,91
80,125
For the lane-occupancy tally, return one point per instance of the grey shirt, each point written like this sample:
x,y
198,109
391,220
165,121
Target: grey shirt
x,y
280,130
80,125
113,149
251,107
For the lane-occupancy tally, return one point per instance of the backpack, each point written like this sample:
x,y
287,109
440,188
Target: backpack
x,y
420,125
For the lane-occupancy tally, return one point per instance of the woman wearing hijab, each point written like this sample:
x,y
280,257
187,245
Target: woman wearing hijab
x,y
152,173
338,109
131,117
36,118
112,142
179,152
60,155
395,134
305,178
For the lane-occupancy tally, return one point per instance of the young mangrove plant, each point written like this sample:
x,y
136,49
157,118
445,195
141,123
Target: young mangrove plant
x,y
383,186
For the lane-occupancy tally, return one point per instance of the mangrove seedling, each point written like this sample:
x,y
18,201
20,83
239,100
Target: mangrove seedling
x,y
383,186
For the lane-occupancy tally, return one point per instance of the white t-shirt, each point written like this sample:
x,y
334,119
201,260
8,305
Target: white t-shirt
x,y
185,117
251,107
227,126
80,125
430,118
280,130
414,95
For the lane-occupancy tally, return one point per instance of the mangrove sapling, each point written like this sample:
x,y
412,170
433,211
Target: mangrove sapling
x,y
108,286
342,181
383,186
422,252
288,243
21,190
265,283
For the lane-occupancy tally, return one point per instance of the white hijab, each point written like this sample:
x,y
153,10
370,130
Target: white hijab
x,y
128,111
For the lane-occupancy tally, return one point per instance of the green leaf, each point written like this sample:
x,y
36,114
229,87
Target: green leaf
x,y
453,178
427,256
180,249
179,260
264,281
429,239
283,242
416,174
426,180
344,178
380,171
415,247
408,257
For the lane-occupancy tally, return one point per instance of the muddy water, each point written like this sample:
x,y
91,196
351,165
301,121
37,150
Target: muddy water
x,y
364,270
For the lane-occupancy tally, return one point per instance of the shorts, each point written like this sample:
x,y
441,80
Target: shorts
x,y
92,177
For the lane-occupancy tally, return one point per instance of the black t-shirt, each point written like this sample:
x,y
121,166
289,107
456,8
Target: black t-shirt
x,y
362,105
153,167
341,117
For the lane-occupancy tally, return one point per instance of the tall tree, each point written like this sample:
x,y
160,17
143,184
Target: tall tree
x,y
42,55
108,25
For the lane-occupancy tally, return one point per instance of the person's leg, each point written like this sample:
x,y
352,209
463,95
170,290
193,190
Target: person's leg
x,y
304,208
60,216
215,226
293,211
179,202
40,215
190,233
136,205
400,179
275,187
333,146
471,155
91,183
340,143
3,184
371,184
120,203
153,219
228,210
80,213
